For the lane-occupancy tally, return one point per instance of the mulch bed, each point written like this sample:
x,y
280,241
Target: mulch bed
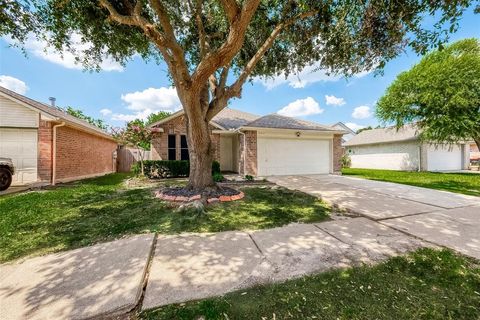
x,y
180,194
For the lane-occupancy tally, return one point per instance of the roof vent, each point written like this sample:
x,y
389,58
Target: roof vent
x,y
52,101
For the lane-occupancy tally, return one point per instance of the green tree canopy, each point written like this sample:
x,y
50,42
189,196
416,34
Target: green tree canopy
x,y
212,47
79,114
154,117
441,94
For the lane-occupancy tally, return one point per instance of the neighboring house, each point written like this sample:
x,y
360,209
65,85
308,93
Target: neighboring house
x,y
48,145
349,132
387,148
255,145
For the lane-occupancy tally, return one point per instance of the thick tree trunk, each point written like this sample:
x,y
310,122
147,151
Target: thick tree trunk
x,y
201,154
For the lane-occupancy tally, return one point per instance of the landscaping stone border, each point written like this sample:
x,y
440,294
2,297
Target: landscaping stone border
x,y
166,197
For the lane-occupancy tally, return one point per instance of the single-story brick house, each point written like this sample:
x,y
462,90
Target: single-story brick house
x,y
257,145
48,145
387,148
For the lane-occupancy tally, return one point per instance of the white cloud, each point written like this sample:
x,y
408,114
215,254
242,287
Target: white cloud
x,y
162,99
106,112
41,49
149,101
334,101
13,84
129,117
301,107
310,74
361,112
354,126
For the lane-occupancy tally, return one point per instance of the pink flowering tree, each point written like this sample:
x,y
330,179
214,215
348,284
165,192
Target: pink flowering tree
x,y
135,134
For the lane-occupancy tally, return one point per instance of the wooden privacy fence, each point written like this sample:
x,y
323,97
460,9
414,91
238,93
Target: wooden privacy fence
x,y
126,157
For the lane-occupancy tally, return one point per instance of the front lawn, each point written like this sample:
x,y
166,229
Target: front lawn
x,y
466,183
102,209
427,284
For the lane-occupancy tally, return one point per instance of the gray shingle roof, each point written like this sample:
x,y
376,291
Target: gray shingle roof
x,y
282,122
233,119
54,112
384,135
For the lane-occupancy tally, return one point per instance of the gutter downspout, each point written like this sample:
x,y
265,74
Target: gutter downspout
x,y
54,151
420,160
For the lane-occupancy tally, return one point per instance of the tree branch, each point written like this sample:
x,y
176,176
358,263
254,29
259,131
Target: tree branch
x,y
235,89
178,54
224,76
137,11
230,47
201,30
231,9
116,16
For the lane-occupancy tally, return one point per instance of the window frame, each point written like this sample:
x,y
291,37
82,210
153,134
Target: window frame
x,y
170,148
183,148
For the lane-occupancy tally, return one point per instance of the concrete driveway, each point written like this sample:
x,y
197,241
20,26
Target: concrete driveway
x,y
443,218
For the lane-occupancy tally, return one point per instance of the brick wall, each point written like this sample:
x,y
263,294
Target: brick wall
x,y
251,153
177,126
215,138
337,153
44,161
80,154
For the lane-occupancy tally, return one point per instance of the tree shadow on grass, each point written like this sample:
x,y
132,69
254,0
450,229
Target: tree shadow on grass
x,y
69,218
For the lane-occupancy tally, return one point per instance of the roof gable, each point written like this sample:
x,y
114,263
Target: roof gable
x,y
342,126
55,113
277,121
232,119
227,119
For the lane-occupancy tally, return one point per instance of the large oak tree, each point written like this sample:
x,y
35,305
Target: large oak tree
x,y
206,42
441,94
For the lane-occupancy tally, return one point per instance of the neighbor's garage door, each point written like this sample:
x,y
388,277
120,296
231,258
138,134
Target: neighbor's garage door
x,y
277,156
21,146
444,158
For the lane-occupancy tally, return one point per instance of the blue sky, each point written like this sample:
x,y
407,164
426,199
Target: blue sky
x,y
118,94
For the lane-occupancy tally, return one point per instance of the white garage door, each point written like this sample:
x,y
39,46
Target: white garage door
x,y
21,146
292,156
444,158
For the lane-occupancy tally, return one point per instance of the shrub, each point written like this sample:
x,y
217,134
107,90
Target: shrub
x,y
155,169
215,167
218,177
346,161
248,177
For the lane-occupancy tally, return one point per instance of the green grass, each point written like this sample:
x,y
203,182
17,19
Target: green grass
x,y
83,213
466,183
427,284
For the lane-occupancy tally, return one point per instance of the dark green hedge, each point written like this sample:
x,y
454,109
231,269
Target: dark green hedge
x,y
168,168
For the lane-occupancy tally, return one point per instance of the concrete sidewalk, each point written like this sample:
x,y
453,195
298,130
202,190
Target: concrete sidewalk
x,y
192,267
105,279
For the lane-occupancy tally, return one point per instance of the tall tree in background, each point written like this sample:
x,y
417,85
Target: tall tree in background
x,y
204,42
80,115
154,117
441,94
